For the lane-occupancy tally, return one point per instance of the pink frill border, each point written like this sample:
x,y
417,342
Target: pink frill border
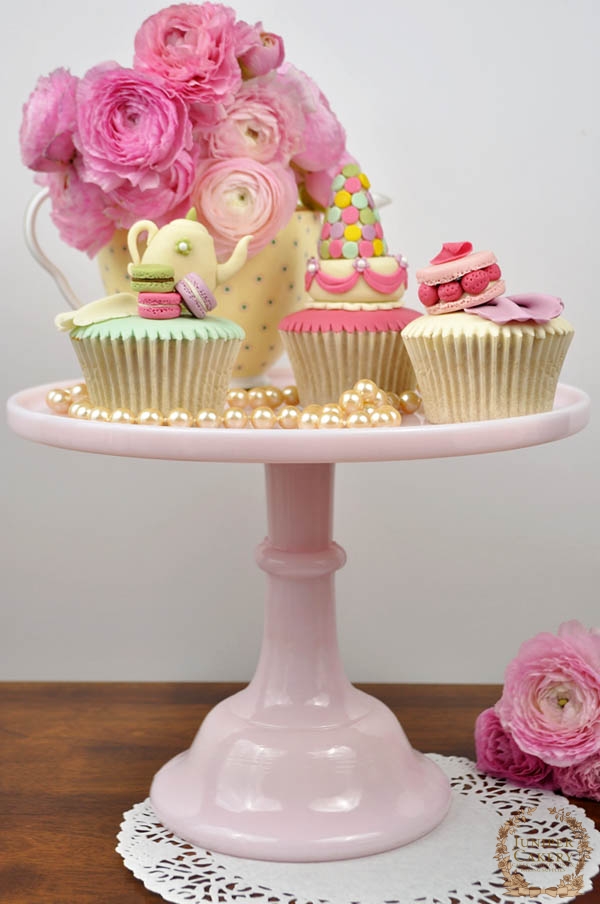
x,y
323,320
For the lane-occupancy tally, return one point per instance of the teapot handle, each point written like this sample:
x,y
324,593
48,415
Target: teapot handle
x,y
30,229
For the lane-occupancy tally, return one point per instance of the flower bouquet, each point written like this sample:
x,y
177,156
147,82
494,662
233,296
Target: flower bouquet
x,y
544,732
209,116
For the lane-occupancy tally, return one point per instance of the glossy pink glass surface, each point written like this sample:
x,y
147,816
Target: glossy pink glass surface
x,y
300,765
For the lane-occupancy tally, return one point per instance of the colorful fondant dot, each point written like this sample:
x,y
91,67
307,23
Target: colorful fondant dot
x,y
342,199
351,169
337,230
334,214
338,183
364,181
359,199
324,250
352,233
350,215
379,230
377,215
353,184
326,231
371,200
365,249
335,248
367,215
350,250
368,233
377,247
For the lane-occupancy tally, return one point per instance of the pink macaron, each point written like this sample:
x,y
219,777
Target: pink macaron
x,y
459,278
196,295
159,305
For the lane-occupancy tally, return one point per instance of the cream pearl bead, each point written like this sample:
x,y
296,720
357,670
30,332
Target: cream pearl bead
x,y
78,392
263,418
100,414
123,416
59,400
410,402
235,419
350,401
179,417
150,417
309,420
366,389
207,417
290,395
331,419
80,410
394,400
358,419
332,408
257,397
379,398
274,396
237,398
289,417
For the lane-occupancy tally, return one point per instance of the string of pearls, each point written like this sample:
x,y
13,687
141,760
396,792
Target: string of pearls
x,y
265,407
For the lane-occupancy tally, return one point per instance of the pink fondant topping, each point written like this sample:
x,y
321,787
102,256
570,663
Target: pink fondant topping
x,y
428,295
314,320
452,251
385,284
530,306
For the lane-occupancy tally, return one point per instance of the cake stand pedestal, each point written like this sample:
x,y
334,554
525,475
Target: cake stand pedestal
x,y
299,766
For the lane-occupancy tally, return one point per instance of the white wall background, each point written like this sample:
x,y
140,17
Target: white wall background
x,y
481,121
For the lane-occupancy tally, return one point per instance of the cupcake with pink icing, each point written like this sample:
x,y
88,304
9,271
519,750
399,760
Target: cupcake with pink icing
x,y
351,327
479,354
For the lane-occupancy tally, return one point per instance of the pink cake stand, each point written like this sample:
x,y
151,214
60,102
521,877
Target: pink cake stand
x,y
299,766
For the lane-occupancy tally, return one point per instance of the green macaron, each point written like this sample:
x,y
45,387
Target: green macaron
x,y
152,278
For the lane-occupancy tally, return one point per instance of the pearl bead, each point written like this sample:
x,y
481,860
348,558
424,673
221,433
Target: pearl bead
x,y
235,418
263,418
274,396
78,392
309,420
369,409
289,417
350,401
358,419
395,416
179,417
237,398
207,417
331,419
290,395
99,414
393,399
379,398
122,416
150,417
410,402
332,408
366,389
314,409
380,418
59,400
257,397
80,410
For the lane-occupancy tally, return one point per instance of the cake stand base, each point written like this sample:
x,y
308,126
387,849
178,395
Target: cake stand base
x,y
300,765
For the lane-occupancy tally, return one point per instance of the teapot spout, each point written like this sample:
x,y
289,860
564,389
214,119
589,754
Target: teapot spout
x,y
237,260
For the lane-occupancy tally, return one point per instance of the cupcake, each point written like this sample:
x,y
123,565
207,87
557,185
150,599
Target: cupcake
x,y
159,347
479,354
351,327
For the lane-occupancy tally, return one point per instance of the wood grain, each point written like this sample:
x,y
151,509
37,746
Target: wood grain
x,y
74,757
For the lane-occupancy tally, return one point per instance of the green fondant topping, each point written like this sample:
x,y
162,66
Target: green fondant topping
x,y
351,169
179,328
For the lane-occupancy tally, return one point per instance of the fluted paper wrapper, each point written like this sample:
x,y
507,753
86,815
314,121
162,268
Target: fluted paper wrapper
x,y
148,373
326,364
494,372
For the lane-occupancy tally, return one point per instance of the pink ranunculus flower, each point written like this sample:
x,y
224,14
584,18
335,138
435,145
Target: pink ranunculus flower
x,y
324,135
49,121
169,200
240,197
131,128
498,755
78,211
551,698
262,122
582,780
194,47
265,53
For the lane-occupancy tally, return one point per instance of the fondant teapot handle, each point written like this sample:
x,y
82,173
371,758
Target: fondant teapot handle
x,y
31,239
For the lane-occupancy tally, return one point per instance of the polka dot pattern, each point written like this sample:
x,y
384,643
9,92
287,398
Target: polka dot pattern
x,y
352,225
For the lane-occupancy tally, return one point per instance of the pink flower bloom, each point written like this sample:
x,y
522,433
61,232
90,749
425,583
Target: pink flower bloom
x,y
324,135
78,211
318,185
498,755
582,780
169,200
551,698
131,128
194,47
240,197
265,53
262,122
49,120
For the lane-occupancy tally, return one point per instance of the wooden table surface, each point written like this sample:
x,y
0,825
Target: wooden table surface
x,y
74,757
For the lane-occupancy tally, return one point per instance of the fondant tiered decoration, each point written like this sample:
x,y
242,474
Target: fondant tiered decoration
x,y
351,327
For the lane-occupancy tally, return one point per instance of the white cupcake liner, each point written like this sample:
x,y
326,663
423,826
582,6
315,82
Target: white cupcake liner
x,y
327,363
163,374
502,372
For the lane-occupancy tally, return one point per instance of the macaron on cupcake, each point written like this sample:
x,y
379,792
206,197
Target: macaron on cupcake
x,y
351,327
478,354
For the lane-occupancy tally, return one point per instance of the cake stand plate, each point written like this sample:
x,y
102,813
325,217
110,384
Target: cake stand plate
x,y
300,765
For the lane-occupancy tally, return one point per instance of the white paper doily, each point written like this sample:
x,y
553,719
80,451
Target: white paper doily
x,y
454,863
